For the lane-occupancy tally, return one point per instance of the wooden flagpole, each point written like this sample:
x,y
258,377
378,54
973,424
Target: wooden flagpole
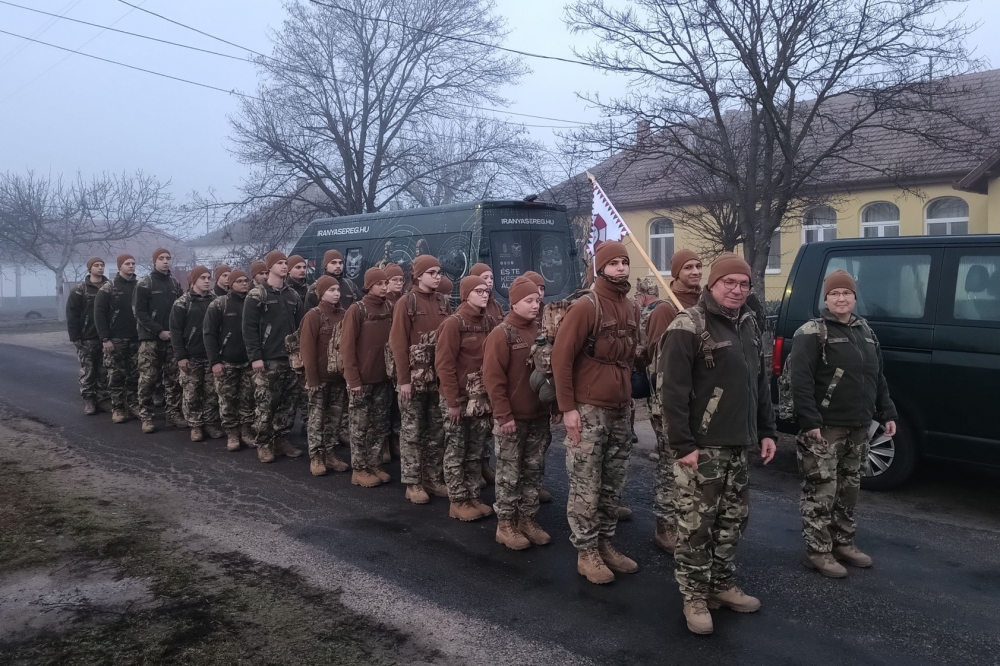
x,y
649,262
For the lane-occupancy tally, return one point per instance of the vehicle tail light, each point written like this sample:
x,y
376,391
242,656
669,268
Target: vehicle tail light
x,y
776,352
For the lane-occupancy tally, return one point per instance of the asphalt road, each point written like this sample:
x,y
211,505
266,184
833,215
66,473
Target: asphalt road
x,y
932,597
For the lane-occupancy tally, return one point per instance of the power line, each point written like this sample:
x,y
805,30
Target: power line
x,y
18,49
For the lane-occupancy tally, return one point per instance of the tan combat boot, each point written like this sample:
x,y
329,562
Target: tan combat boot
x,y
382,475
233,440
483,508
265,454
825,564
247,437
465,511
615,560
334,463
699,620
734,599
317,463
435,488
365,479
529,528
119,416
416,494
508,535
624,513
544,495
284,448
590,564
666,536
852,556
214,432
147,427
196,434
90,408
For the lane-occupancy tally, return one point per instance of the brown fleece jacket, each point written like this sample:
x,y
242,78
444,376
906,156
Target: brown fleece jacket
x,y
506,372
604,379
362,341
459,353
406,331
665,311
315,332
494,310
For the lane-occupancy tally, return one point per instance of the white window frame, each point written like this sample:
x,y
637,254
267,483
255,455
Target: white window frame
x,y
776,238
879,226
949,221
672,236
821,229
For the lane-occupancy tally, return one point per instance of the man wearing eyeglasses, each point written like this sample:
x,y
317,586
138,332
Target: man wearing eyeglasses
x,y
716,405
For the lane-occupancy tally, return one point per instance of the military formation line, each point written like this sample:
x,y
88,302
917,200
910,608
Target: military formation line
x,y
392,369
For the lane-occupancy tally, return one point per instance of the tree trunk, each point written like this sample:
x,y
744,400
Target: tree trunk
x,y
60,295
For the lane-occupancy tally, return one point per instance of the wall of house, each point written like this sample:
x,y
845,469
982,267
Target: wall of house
x,y
984,217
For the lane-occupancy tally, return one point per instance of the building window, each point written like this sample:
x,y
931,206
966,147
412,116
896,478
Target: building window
x,y
880,220
819,224
774,254
661,243
947,216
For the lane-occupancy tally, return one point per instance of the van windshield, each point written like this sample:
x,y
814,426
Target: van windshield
x,y
517,251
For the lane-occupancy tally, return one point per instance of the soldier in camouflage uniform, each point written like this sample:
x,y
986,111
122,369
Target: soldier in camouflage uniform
x,y
258,273
83,333
222,280
227,356
296,279
415,320
116,326
154,297
272,311
837,389
716,404
521,420
187,319
592,361
363,338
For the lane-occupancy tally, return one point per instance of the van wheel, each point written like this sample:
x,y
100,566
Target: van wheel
x,y
891,459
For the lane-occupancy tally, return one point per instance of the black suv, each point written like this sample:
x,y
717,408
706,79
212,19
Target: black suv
x,y
934,303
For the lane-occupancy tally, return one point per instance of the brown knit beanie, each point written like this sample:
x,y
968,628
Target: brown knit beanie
x,y
236,275
256,267
446,286
373,275
158,251
92,261
479,269
607,251
727,264
329,256
839,279
196,273
122,258
221,270
424,263
295,260
393,270
273,257
468,283
521,288
680,258
324,283
535,277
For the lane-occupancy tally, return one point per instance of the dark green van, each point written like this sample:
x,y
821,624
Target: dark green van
x,y
512,237
934,303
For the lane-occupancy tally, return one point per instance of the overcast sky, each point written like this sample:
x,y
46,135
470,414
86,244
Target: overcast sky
x,y
62,112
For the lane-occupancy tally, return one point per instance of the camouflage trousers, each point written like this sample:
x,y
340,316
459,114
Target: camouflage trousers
x,y
326,411
712,505
463,453
200,402
93,376
831,478
598,469
368,410
157,368
520,463
122,366
663,486
235,389
275,393
302,403
421,439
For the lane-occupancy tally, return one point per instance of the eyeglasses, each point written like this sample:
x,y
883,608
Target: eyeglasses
x,y
433,273
733,285
840,293
481,291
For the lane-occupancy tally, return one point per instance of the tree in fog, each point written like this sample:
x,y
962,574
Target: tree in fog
x,y
49,219
766,102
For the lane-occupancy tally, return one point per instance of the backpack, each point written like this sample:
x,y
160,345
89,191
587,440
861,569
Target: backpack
x,y
422,375
652,353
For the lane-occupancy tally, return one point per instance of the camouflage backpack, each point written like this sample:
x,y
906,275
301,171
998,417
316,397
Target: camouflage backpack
x,y
334,361
652,355
479,402
542,381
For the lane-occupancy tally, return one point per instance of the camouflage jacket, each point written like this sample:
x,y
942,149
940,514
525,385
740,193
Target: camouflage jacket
x,y
224,329
715,388
80,320
152,300
836,376
187,321
269,316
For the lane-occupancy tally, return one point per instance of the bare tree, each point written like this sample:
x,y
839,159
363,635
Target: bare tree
x,y
48,219
769,100
351,92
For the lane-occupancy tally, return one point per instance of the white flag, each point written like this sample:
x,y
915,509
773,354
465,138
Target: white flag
x,y
605,222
